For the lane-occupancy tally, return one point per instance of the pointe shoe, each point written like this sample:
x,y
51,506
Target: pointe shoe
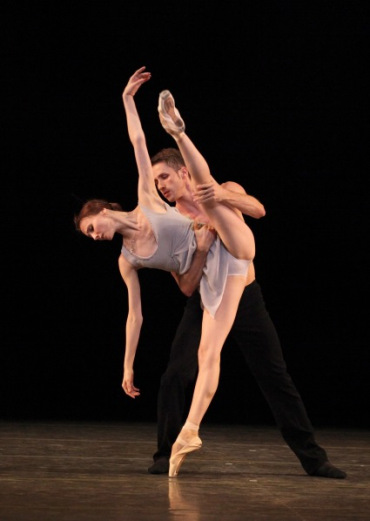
x,y
169,116
177,459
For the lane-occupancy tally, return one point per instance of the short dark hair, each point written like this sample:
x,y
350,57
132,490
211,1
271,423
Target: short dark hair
x,y
170,156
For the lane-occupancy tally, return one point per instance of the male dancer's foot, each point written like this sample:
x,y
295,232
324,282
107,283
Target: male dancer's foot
x,y
160,466
327,470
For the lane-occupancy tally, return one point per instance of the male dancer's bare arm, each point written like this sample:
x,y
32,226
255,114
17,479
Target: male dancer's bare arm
x,y
188,282
231,194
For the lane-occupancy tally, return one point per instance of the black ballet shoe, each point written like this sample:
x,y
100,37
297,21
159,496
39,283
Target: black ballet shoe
x,y
160,466
327,470
172,126
177,459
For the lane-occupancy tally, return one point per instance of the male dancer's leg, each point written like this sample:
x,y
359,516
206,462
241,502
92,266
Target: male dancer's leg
x,y
175,383
256,336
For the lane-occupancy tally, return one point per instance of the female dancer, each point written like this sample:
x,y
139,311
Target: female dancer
x,y
156,235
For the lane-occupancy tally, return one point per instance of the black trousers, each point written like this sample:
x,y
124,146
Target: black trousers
x,y
255,334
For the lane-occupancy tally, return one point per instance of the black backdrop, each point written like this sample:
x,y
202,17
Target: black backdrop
x,y
275,94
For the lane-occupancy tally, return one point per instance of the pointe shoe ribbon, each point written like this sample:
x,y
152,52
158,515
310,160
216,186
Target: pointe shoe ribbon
x,y
177,459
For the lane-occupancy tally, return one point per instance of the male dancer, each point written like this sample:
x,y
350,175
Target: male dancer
x,y
253,331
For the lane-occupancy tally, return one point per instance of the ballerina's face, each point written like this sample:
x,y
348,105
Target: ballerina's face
x,y
98,227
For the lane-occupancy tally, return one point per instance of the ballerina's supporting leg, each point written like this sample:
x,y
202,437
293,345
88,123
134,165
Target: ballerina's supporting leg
x,y
214,333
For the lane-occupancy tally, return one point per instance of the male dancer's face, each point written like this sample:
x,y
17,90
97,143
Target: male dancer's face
x,y
169,182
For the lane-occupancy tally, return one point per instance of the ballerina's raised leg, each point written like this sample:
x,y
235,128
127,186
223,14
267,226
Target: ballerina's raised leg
x,y
233,231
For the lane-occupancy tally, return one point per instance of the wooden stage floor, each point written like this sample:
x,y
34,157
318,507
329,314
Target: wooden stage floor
x,y
71,471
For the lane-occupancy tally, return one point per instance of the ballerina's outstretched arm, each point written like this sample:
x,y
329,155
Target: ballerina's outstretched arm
x,y
147,191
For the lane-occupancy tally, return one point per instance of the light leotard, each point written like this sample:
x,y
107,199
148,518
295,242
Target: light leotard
x,y
176,245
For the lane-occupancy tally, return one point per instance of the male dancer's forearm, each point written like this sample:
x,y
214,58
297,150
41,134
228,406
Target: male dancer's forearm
x,y
188,282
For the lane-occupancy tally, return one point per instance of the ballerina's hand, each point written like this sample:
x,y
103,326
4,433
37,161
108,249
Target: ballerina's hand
x,y
128,386
136,80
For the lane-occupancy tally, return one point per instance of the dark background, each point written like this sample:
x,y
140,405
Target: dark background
x,y
276,96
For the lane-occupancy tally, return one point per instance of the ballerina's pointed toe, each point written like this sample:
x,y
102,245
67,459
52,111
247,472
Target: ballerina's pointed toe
x,y
177,459
173,124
